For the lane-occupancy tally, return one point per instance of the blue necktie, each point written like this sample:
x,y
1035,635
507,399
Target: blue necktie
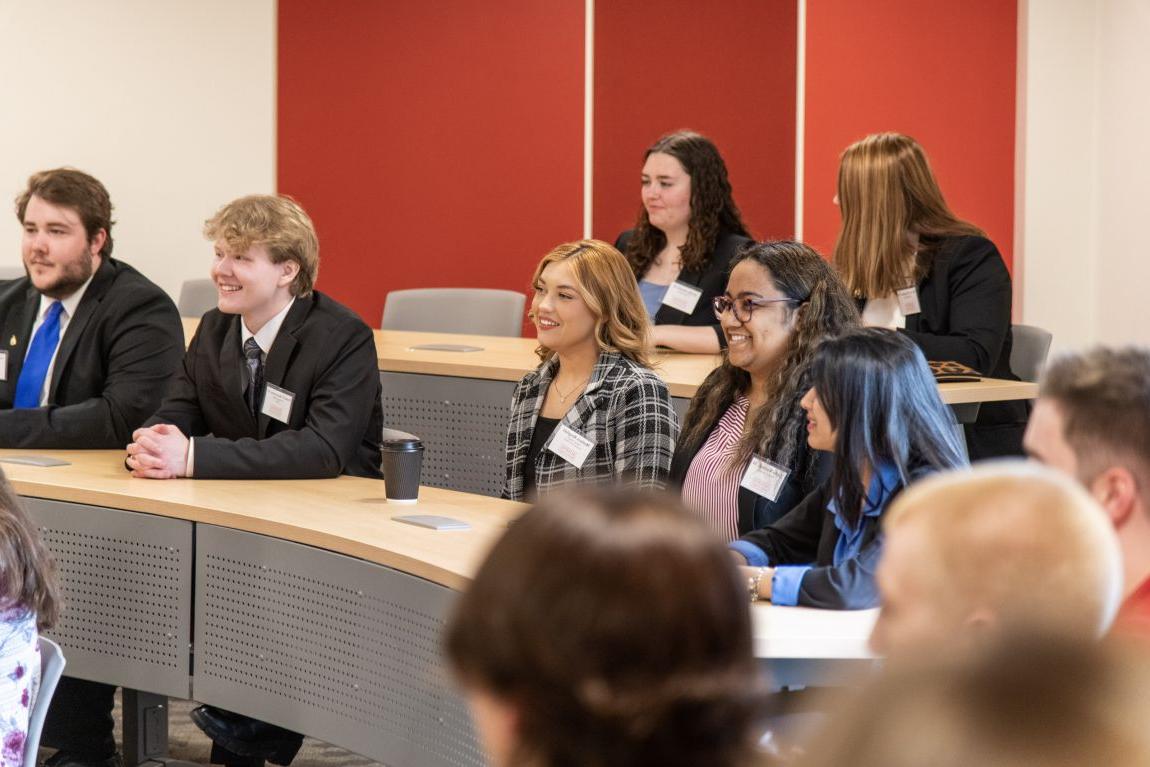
x,y
31,381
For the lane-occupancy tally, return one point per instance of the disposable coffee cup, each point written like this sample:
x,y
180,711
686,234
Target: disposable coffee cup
x,y
402,464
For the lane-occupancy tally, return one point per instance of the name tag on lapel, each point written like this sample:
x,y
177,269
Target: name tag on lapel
x,y
765,478
570,445
908,301
277,403
3,366
682,296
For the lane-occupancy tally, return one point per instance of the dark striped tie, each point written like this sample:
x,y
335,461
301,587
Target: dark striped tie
x,y
255,362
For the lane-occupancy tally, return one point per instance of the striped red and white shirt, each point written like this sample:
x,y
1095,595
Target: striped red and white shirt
x,y
710,489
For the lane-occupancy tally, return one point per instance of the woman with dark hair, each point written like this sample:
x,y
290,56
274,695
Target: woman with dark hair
x,y
593,411
874,405
688,230
917,267
744,424
608,629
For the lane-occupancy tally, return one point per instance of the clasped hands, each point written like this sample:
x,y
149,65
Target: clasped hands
x,y
158,452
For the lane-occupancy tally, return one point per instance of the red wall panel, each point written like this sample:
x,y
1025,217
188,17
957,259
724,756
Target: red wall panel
x,y
940,71
434,144
725,69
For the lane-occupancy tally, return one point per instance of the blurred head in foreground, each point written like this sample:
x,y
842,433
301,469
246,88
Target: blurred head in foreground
x,y
1004,546
608,628
1034,701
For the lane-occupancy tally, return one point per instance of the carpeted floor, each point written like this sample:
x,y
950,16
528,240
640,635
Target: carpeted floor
x,y
187,743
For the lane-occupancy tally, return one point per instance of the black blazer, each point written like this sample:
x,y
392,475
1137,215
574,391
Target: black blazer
x,y
711,279
808,535
965,300
325,355
121,346
809,470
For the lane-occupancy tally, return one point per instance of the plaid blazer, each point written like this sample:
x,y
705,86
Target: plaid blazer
x,y
625,411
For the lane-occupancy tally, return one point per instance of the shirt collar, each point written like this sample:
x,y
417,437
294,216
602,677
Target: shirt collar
x,y
69,304
267,334
883,482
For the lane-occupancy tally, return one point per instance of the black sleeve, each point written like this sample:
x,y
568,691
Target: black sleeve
x,y
181,405
847,586
794,539
978,317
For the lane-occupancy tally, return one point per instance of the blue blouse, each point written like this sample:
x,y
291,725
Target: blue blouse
x,y
652,296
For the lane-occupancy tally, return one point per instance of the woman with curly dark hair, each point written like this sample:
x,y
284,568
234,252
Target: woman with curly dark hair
x,y
688,230
745,424
609,629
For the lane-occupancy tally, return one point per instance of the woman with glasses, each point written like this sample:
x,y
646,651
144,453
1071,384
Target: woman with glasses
x,y
688,230
916,267
593,411
742,460
873,404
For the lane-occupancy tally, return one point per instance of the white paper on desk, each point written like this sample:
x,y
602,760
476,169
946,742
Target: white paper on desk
x,y
34,460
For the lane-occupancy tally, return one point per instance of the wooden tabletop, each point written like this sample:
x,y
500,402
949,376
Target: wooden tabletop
x,y
348,515
508,359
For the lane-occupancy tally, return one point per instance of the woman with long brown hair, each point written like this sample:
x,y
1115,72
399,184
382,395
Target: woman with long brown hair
x,y
688,230
917,267
593,411
745,423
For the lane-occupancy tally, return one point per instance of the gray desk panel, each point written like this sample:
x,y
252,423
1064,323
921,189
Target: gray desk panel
x,y
126,581
463,424
344,650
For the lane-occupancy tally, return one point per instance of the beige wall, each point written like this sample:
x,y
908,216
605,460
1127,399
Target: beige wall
x,y
170,103
1083,164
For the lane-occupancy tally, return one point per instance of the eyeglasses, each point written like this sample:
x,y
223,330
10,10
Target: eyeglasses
x,y
744,307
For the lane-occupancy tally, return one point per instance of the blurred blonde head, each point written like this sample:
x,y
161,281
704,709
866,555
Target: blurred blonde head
x,y
1006,546
607,285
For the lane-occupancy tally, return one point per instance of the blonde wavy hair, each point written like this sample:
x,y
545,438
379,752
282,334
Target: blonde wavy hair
x,y
887,190
276,222
606,283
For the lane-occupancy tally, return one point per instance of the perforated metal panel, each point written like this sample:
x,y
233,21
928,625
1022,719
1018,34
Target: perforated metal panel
x,y
344,650
463,424
126,582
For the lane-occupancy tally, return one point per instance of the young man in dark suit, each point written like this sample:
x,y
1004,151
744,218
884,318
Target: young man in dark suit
x,y
87,344
279,382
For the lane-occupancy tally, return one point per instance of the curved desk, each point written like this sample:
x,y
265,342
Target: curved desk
x,y
311,607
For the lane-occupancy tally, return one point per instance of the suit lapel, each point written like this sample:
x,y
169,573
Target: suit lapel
x,y
276,366
234,376
88,304
15,335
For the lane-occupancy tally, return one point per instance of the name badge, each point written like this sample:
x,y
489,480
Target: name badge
x,y
682,296
765,478
908,301
570,445
277,403
3,366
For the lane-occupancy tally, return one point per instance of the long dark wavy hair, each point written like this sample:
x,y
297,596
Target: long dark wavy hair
x,y
823,309
616,624
713,208
883,402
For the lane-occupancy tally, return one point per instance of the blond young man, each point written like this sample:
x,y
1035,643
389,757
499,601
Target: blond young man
x,y
1004,547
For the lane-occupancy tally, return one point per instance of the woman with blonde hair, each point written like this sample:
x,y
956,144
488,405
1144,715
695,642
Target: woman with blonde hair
x,y
917,267
593,411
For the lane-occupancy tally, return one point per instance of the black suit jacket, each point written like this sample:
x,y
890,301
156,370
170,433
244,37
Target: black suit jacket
x,y
324,354
113,362
711,278
965,302
809,470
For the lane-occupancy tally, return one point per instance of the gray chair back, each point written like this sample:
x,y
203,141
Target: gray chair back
x,y
196,297
478,311
51,669
11,272
1028,355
